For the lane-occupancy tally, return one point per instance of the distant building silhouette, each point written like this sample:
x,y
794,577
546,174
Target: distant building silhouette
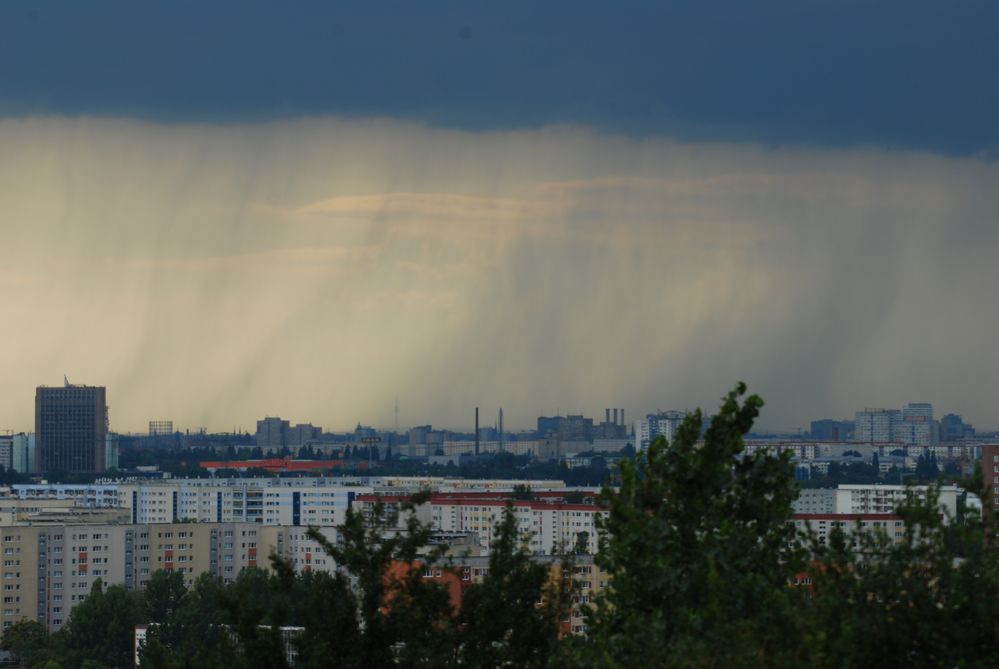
x,y
548,425
912,426
831,430
878,426
272,432
71,427
23,457
304,434
160,428
566,428
660,424
953,428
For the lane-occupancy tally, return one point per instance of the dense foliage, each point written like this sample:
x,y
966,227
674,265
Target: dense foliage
x,y
700,554
706,571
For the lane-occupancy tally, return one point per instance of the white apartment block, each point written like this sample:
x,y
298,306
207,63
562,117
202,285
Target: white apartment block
x,y
822,525
211,500
643,434
876,425
867,499
912,426
665,424
547,527
88,495
816,500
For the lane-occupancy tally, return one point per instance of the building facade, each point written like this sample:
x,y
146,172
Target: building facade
x,y
48,568
71,426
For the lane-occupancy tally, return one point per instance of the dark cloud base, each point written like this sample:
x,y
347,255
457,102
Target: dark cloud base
x,y
892,74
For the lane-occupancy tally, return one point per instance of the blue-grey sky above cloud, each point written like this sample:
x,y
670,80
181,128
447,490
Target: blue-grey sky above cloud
x,y
226,210
909,74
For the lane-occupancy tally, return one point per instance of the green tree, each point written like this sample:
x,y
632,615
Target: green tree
x,y
192,634
101,628
255,609
511,618
328,612
700,553
393,611
164,594
29,640
422,612
929,598
522,492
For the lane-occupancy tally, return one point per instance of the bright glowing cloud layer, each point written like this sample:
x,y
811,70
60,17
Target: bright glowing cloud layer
x,y
318,269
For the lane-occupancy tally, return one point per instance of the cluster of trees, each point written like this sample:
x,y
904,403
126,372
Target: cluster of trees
x,y
185,462
927,468
848,472
706,571
505,465
927,471
10,476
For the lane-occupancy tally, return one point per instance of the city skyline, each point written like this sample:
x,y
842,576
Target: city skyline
x,y
534,209
368,334
490,419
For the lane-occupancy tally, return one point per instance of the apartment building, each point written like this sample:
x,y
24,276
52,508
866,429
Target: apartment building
x,y
882,499
49,568
88,495
871,499
14,510
265,501
459,574
547,523
822,525
71,428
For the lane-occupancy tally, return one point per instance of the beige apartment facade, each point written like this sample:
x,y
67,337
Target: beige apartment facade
x,y
48,568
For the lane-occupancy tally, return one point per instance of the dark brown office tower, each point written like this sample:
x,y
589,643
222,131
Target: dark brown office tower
x,y
71,425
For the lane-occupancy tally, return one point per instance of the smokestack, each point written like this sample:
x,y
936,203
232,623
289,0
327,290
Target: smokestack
x,y
501,429
476,431
606,415
615,416
622,415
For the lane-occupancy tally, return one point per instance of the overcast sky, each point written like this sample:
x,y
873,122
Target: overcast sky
x,y
245,209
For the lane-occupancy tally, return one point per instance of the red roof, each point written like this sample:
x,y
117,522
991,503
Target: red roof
x,y
277,464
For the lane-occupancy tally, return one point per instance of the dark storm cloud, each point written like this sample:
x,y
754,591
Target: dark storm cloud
x,y
902,74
